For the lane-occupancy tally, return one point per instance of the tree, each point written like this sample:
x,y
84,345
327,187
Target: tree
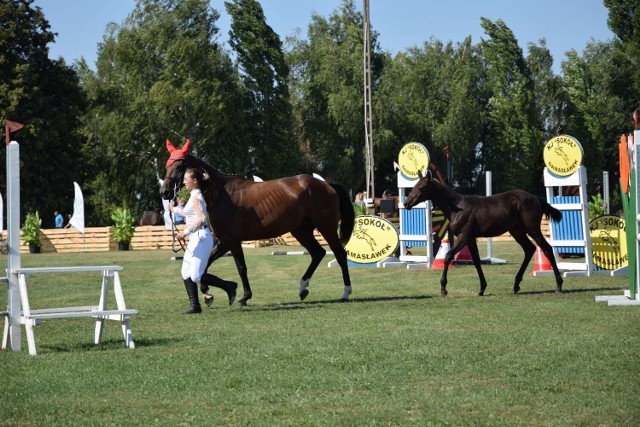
x,y
328,94
513,148
265,75
44,95
624,22
598,115
160,75
433,95
551,100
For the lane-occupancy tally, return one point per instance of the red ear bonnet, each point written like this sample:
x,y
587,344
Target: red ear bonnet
x,y
177,154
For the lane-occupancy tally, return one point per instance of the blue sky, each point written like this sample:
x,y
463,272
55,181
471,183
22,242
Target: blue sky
x,y
565,24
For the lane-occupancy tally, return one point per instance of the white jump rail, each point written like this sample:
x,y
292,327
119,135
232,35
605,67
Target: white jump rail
x,y
30,318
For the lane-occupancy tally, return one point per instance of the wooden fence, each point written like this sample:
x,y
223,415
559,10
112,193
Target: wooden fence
x,y
97,239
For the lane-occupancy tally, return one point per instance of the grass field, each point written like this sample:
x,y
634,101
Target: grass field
x,y
397,354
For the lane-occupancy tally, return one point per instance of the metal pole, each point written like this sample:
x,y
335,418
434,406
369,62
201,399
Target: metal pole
x,y
489,192
368,115
605,191
634,165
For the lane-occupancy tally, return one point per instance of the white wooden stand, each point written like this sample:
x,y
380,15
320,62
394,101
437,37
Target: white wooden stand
x,y
30,318
579,178
414,261
19,312
100,312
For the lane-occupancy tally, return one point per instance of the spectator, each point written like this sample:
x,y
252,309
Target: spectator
x,y
177,218
59,219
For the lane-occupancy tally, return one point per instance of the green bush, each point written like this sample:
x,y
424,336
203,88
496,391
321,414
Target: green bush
x,y
123,228
31,229
183,194
596,207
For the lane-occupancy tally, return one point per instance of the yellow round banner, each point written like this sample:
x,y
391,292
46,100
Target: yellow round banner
x,y
562,155
413,158
373,239
609,242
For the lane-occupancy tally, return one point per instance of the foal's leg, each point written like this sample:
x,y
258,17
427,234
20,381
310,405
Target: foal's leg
x,y
475,255
529,249
548,252
304,235
457,246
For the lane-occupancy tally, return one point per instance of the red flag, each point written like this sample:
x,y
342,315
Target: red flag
x,y
9,127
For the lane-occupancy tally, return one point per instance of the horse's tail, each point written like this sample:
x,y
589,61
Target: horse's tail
x,y
347,214
549,210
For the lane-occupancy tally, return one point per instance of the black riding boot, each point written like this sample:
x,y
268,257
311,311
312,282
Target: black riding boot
x,y
211,280
192,292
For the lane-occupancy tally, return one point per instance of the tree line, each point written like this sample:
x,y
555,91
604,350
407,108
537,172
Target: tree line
x,y
261,105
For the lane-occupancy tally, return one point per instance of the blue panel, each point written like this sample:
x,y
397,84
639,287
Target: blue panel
x,y
570,227
414,222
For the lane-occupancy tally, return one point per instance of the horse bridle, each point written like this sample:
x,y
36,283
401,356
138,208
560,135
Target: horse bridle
x,y
174,200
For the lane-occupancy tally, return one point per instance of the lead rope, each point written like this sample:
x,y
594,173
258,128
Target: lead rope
x,y
174,227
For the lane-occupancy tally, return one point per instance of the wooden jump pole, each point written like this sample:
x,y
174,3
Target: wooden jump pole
x,y
13,243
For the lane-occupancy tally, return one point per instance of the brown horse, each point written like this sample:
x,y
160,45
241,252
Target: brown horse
x,y
240,209
517,212
152,218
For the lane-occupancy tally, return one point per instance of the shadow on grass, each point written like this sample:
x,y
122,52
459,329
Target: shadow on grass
x,y
108,345
302,305
572,291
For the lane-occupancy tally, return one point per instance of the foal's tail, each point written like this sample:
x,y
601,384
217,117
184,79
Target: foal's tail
x,y
347,214
549,210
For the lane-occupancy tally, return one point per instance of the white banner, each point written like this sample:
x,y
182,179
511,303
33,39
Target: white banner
x,y
77,220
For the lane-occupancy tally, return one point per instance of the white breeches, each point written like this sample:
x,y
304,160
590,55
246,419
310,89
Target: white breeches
x,y
196,255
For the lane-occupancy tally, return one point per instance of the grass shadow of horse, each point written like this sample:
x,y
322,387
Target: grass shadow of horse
x,y
319,303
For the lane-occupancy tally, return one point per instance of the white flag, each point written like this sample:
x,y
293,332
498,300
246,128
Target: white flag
x,y
77,220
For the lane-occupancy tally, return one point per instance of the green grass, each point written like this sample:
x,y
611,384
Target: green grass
x,y
397,354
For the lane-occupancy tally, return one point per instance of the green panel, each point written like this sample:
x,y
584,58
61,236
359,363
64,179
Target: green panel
x,y
629,206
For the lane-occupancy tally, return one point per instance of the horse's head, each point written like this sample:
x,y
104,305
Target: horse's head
x,y
423,190
175,169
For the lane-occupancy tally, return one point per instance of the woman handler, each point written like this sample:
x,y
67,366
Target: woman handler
x,y
199,248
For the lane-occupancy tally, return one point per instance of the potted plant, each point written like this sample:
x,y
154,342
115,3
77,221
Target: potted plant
x,y
31,231
123,228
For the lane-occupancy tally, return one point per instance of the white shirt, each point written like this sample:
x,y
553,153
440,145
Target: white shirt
x,y
194,212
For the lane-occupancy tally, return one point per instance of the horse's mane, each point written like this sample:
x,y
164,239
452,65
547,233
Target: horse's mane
x,y
213,173
214,179
447,196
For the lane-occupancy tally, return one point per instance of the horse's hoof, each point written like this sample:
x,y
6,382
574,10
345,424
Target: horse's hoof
x,y
344,299
444,293
516,290
559,291
304,294
481,293
208,300
243,301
